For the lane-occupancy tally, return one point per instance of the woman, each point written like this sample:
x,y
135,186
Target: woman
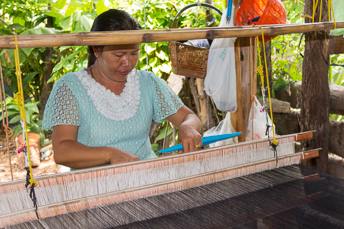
x,y
103,114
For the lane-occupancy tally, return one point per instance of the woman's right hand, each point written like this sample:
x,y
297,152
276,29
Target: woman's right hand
x,y
122,157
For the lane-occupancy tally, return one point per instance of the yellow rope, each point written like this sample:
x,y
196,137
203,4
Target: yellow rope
x,y
315,6
260,69
20,100
332,14
321,6
329,8
274,139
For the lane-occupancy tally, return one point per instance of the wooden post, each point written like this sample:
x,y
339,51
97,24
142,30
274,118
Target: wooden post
x,y
245,58
315,86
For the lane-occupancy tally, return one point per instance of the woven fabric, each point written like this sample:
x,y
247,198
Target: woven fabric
x,y
71,104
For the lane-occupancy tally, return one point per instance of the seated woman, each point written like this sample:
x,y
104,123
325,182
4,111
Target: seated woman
x,y
102,114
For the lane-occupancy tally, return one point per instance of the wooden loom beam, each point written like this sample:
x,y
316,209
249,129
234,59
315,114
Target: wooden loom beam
x,y
139,36
151,189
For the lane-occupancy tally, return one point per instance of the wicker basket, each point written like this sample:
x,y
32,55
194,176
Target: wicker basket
x,y
188,60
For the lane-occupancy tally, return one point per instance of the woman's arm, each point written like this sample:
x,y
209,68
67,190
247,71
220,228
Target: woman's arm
x,y
189,128
68,152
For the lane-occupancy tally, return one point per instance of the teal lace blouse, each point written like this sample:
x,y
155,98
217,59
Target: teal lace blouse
x,y
105,119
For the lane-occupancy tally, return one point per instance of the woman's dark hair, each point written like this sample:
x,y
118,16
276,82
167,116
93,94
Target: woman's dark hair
x,y
111,20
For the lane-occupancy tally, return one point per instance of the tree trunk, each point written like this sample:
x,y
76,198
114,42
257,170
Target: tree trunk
x,y
315,86
210,18
268,60
48,68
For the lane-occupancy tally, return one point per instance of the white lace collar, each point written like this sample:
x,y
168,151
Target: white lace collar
x,y
112,106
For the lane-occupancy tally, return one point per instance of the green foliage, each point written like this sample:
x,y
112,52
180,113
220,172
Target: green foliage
x,y
32,116
337,77
155,14
287,50
337,69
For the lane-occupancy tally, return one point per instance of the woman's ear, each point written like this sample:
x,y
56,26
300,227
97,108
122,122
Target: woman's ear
x,y
97,51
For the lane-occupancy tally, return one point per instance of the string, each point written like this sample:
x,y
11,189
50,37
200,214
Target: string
x,y
332,14
274,139
314,9
5,123
320,14
260,71
329,10
30,181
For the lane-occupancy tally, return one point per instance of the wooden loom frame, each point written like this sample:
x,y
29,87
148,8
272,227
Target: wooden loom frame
x,y
139,36
153,189
131,37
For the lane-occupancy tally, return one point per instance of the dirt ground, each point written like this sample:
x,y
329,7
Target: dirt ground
x,y
47,166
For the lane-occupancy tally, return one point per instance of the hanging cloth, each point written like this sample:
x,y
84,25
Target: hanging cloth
x,y
220,81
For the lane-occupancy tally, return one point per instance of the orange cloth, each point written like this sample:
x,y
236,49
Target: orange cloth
x,y
260,12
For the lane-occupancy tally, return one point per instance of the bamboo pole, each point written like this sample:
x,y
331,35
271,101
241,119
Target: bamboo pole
x,y
139,36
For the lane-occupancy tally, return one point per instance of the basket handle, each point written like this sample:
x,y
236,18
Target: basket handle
x,y
175,21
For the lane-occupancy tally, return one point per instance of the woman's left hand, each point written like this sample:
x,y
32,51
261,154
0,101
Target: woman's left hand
x,y
190,138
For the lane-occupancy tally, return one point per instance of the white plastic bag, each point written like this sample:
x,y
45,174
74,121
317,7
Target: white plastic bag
x,y
220,81
257,122
224,127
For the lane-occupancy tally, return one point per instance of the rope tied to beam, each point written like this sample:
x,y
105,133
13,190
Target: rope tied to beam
x,y
4,118
266,89
19,97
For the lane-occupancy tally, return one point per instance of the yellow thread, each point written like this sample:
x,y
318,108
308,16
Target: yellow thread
x,y
275,141
315,6
321,6
307,16
20,99
260,66
329,10
332,14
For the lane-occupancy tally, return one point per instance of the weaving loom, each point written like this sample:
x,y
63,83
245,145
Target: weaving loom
x,y
136,192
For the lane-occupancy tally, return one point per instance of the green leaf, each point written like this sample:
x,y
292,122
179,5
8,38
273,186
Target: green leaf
x,y
10,113
153,61
162,55
162,133
101,7
29,77
15,119
149,48
156,70
72,7
83,24
32,107
59,4
19,21
41,30
166,68
155,147
13,107
66,23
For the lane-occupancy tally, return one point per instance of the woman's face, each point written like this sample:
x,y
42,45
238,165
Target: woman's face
x,y
118,60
